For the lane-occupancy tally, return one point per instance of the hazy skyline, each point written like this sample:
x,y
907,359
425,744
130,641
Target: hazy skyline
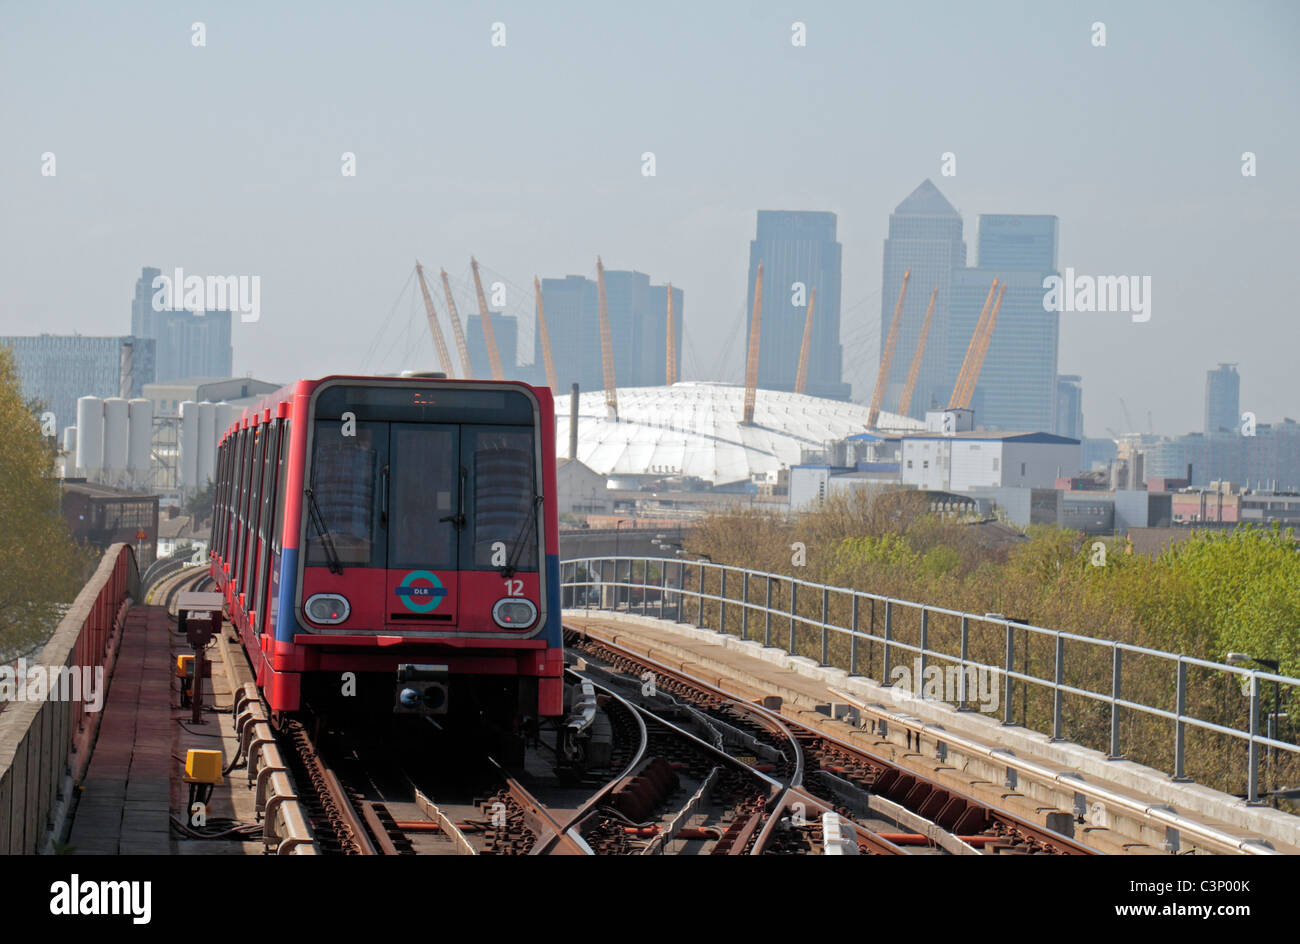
x,y
225,159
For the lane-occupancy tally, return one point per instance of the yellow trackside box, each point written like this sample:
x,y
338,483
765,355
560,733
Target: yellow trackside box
x,y
184,666
203,766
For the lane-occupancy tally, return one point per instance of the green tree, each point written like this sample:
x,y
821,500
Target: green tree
x,y
199,507
41,566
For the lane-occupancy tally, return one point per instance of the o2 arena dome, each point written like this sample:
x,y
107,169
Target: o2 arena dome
x,y
695,429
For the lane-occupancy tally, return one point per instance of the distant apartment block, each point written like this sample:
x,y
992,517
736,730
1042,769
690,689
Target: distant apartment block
x,y
57,369
1069,406
1222,399
799,253
1269,459
187,344
638,327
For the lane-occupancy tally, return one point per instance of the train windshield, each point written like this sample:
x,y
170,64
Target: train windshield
x,y
423,496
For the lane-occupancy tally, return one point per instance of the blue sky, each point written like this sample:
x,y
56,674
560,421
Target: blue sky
x,y
225,160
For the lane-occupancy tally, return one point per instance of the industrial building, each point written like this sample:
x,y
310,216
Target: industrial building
x,y
100,515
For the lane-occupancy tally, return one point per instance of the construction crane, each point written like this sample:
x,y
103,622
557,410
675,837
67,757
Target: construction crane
x,y
545,336
909,388
801,376
606,346
670,369
964,392
443,356
887,356
456,328
1127,419
489,334
755,333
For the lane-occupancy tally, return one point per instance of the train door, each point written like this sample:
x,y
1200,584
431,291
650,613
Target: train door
x,y
423,495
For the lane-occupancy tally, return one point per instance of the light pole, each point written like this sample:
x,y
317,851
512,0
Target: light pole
x,y
1242,658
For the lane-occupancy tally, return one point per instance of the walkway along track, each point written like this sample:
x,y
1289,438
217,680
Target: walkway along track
x,y
848,779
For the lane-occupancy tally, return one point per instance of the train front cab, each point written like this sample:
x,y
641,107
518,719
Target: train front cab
x,y
425,572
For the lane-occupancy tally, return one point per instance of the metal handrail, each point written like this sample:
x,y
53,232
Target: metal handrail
x,y
625,581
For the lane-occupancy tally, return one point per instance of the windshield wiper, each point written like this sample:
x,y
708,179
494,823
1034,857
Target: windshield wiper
x,y
508,570
458,519
326,539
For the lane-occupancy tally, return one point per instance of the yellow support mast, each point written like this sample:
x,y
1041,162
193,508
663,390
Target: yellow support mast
x,y
887,356
805,349
967,395
456,328
489,333
606,346
965,385
443,356
670,369
545,336
755,335
909,388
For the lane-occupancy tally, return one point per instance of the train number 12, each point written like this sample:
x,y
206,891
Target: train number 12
x,y
514,588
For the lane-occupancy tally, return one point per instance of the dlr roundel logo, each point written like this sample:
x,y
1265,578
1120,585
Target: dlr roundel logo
x,y
421,591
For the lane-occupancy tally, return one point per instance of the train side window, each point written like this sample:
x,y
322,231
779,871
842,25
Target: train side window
x,y
232,516
255,475
277,521
215,541
344,481
501,477
223,521
245,487
264,519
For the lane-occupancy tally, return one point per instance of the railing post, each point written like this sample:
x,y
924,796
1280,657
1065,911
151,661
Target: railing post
x,y
1010,666
663,585
826,602
767,615
744,608
794,597
699,599
680,611
889,635
1057,695
965,655
1116,690
853,640
722,606
1180,727
919,684
1252,775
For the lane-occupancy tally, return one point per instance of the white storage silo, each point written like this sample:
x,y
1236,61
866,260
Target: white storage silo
x,y
70,442
117,413
189,444
140,445
227,413
207,443
90,434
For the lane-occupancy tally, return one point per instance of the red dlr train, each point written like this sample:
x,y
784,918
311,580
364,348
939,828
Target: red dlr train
x,y
393,542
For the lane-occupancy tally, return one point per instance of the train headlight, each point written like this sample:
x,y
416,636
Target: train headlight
x,y
514,613
327,608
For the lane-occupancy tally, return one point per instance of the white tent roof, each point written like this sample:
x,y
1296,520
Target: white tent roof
x,y
694,429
